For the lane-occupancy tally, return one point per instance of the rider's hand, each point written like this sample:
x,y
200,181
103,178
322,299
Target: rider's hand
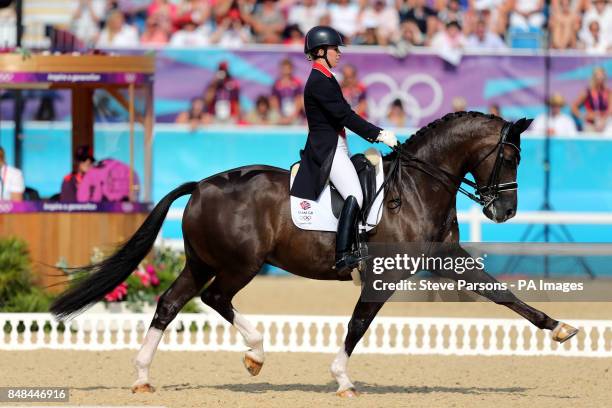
x,y
387,137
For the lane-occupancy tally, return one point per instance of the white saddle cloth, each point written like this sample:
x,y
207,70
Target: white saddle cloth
x,y
318,215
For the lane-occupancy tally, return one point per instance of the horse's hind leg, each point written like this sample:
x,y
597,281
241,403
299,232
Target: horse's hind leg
x,y
183,289
219,296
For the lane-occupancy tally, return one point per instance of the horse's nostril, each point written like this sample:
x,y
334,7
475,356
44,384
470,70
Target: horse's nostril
x,y
510,212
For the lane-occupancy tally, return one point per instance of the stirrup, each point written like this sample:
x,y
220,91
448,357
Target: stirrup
x,y
348,262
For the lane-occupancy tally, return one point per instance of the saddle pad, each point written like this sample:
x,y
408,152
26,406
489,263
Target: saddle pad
x,y
318,215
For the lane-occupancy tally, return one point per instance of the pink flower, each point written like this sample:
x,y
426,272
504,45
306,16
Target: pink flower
x,y
144,277
117,294
150,269
152,275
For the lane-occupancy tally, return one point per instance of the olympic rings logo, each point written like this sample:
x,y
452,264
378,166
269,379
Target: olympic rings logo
x,y
402,92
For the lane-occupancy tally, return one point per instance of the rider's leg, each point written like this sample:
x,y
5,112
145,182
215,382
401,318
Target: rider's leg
x,y
344,177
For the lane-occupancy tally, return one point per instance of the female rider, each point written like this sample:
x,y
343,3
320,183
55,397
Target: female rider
x,y
325,156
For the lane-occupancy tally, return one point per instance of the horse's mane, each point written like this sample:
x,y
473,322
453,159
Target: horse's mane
x,y
428,132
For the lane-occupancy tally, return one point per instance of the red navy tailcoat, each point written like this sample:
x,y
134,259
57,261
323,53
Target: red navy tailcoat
x,y
327,113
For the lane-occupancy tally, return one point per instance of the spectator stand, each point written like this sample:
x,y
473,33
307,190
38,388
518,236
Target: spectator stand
x,y
83,226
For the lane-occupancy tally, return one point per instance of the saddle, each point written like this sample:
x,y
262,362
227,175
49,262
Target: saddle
x,y
322,214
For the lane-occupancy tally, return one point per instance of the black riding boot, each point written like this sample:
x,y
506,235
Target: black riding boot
x,y
346,260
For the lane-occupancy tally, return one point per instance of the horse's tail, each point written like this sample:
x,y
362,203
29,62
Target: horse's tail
x,y
106,275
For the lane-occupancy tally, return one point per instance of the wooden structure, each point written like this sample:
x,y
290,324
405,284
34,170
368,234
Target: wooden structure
x,y
83,74
67,237
63,234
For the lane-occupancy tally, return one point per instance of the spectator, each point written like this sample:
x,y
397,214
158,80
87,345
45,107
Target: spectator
x,y
396,116
231,32
459,104
452,12
353,90
154,33
263,114
595,43
369,34
287,95
482,38
424,17
526,14
344,15
600,11
293,36
189,35
306,14
196,115
410,37
222,96
117,33
494,12
196,11
596,102
449,41
563,25
387,21
85,20
559,124
164,12
494,109
11,181
268,23
83,161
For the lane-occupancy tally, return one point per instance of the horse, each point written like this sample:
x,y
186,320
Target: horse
x,y
237,220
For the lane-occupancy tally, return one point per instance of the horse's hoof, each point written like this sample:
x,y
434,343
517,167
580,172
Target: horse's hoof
x,y
348,393
142,388
252,366
563,332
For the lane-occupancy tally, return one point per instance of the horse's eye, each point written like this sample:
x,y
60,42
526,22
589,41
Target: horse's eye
x,y
511,162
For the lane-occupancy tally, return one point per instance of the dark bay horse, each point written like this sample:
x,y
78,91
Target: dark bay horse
x,y
239,219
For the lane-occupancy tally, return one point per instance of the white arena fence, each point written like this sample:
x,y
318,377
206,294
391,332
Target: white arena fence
x,y
296,333
474,218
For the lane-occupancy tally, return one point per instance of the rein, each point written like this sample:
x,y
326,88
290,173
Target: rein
x,y
484,196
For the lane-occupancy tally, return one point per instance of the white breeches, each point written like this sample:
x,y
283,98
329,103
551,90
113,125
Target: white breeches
x,y
343,174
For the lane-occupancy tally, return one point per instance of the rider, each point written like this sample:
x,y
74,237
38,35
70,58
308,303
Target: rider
x,y
326,154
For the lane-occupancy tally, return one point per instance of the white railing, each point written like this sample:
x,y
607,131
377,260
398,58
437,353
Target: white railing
x,y
320,334
474,218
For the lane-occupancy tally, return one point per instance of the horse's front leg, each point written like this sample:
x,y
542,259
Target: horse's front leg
x,y
363,314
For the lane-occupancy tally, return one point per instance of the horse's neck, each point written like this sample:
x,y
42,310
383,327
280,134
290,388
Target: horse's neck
x,y
436,195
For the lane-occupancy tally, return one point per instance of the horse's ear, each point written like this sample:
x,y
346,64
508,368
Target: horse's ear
x,y
521,125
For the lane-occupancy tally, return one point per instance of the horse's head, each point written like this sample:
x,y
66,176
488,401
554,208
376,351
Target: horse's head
x,y
495,170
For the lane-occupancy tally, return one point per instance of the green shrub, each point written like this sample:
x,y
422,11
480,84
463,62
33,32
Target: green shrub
x,y
17,290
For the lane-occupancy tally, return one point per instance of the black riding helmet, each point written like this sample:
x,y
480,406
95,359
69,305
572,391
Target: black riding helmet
x,y
321,37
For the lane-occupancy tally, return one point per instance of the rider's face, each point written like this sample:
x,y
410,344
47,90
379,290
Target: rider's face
x,y
333,56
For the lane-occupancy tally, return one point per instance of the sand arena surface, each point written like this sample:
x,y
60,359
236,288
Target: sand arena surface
x,y
193,379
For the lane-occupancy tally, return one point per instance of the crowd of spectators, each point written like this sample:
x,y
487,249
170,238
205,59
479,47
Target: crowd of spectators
x,y
453,24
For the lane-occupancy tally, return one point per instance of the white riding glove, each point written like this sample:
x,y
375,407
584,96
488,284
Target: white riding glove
x,y
387,137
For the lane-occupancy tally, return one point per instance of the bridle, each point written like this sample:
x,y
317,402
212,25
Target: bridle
x,y
484,196
487,195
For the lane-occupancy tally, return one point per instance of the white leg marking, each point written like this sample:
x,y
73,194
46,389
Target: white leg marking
x,y
252,338
338,370
145,355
